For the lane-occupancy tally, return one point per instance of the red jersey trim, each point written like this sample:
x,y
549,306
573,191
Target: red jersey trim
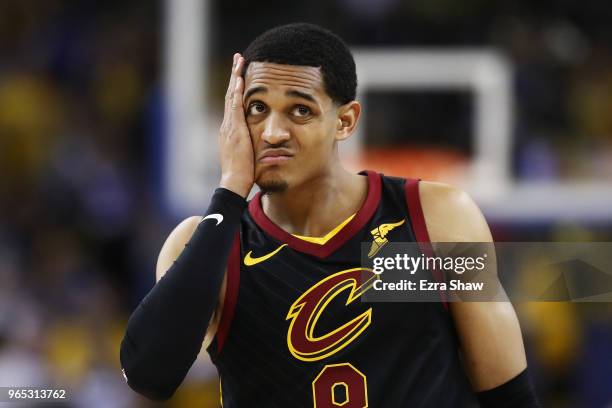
x,y
413,200
231,293
360,219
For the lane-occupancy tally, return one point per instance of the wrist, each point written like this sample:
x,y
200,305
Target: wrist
x,y
227,203
239,187
227,198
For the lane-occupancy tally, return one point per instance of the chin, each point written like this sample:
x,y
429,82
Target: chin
x,y
270,184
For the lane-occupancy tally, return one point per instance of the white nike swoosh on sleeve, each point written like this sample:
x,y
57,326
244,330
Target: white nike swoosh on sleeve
x,y
215,216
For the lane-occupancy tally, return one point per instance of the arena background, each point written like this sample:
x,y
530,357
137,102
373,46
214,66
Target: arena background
x,y
108,120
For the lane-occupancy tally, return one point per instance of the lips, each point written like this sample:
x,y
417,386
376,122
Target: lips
x,y
275,156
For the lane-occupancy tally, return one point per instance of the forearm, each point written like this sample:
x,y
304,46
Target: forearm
x,y
515,393
491,342
165,332
494,356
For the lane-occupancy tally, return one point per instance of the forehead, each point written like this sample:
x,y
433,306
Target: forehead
x,y
271,75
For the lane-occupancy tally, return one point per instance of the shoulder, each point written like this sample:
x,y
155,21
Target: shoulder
x,y
186,227
174,244
451,215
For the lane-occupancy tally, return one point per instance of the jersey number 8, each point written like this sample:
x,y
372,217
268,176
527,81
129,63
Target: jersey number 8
x,y
340,385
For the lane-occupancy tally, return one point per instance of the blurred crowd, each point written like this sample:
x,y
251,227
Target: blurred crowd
x,y
81,130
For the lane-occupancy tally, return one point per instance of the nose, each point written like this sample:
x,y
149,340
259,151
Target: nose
x,y
275,132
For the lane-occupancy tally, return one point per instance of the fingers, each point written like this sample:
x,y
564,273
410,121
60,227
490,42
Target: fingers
x,y
230,86
231,89
238,81
237,97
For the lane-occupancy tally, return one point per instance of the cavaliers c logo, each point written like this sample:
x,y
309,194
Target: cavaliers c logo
x,y
306,310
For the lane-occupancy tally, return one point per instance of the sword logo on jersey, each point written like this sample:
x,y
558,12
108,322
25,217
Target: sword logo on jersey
x,y
378,234
307,309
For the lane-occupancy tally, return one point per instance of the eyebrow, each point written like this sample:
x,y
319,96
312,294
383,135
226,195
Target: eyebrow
x,y
298,94
293,93
255,90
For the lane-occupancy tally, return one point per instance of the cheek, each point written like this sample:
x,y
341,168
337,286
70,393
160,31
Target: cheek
x,y
316,145
325,136
254,130
309,138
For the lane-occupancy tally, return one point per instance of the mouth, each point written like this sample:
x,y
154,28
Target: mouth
x,y
275,156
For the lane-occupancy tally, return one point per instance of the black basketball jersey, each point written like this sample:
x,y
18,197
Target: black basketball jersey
x,y
294,333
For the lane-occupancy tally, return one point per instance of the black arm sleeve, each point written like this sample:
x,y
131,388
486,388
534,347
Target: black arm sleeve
x,y
516,393
165,333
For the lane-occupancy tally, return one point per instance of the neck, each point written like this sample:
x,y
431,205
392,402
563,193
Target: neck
x,y
318,205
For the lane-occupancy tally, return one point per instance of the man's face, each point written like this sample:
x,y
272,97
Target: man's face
x,y
292,122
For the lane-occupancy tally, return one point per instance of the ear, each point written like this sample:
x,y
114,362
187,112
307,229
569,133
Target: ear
x,y
348,115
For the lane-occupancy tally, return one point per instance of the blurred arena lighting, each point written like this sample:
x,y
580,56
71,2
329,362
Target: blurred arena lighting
x,y
191,163
483,72
188,148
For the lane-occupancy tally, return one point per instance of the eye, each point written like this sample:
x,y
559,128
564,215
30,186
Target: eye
x,y
256,108
301,111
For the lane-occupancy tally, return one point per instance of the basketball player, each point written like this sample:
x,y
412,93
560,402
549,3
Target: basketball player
x,y
268,286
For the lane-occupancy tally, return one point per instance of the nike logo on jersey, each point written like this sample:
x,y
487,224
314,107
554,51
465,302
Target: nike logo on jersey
x,y
215,216
250,261
378,234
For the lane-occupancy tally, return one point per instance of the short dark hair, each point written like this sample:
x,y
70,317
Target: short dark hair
x,y
309,45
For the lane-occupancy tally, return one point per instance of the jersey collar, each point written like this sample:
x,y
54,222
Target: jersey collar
x,y
347,232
